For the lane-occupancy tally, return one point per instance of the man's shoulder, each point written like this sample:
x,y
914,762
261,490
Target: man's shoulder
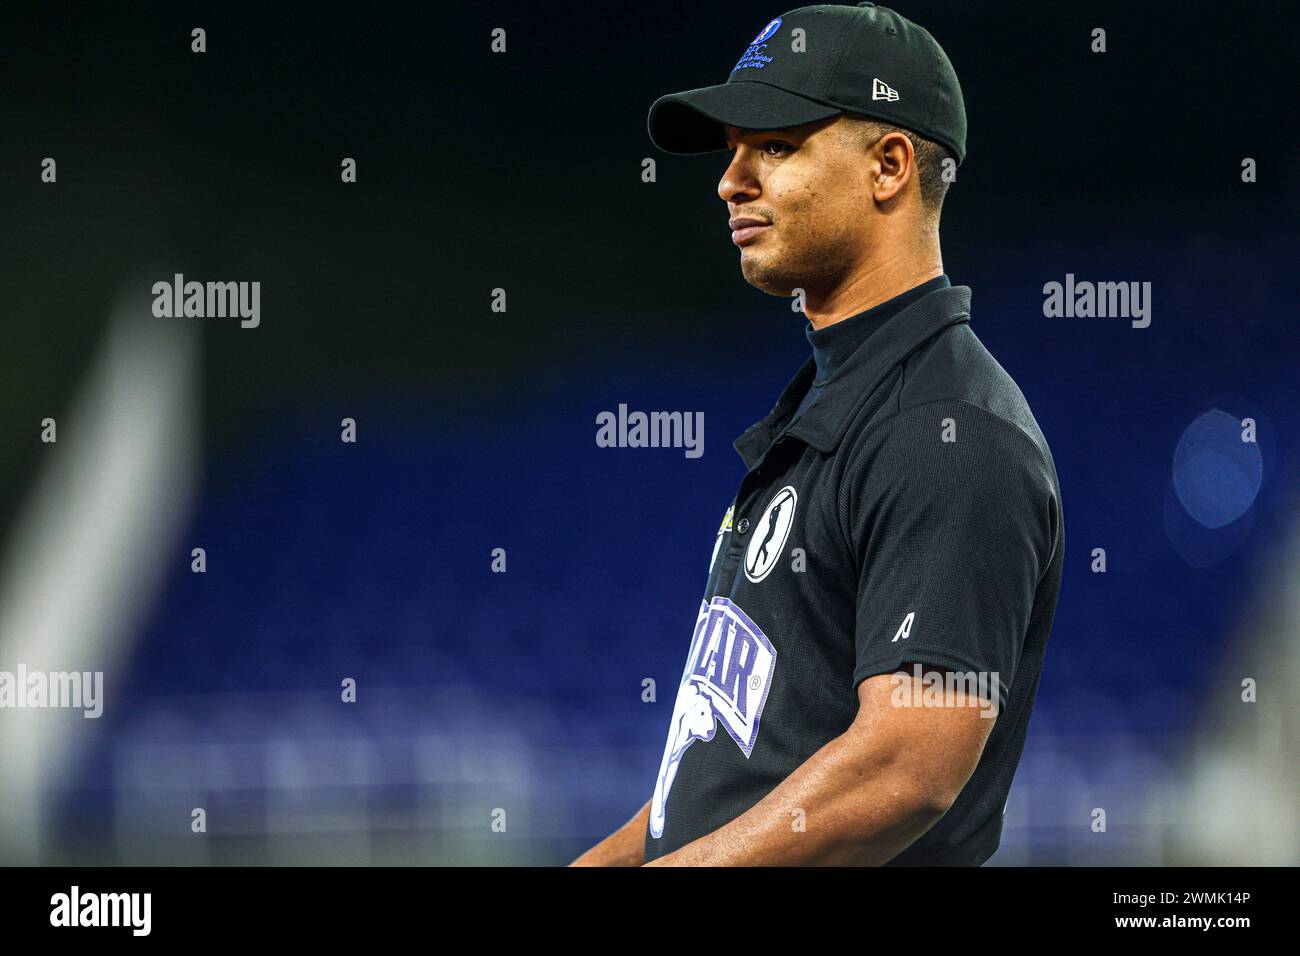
x,y
955,431
956,368
950,389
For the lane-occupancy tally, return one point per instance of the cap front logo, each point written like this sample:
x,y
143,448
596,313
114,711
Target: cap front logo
x,y
770,534
767,31
753,57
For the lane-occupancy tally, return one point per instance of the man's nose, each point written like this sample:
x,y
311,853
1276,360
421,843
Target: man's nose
x,y
738,182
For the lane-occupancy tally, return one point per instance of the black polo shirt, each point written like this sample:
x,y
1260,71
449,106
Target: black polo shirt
x,y
910,514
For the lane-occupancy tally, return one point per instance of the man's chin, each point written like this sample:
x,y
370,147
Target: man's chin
x,y
765,279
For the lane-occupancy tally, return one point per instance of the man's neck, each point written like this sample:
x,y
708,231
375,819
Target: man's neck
x,y
877,282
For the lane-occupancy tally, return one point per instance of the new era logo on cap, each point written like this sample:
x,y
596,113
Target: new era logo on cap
x,y
882,91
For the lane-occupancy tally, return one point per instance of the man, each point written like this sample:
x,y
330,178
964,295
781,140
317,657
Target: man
x,y
867,653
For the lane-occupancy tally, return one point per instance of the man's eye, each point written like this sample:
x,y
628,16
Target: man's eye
x,y
777,148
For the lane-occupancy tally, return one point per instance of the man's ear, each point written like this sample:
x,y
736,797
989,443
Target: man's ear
x,y
894,162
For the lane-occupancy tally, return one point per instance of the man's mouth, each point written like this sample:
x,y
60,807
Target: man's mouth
x,y
745,229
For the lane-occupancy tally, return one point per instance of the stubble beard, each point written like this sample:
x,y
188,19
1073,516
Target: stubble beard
x,y
780,272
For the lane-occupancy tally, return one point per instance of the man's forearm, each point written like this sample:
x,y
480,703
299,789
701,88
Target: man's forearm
x,y
846,805
624,847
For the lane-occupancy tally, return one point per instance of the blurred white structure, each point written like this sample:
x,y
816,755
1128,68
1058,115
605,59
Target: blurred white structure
x,y
1241,802
91,547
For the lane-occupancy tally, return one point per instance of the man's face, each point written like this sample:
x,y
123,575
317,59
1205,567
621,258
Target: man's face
x,y
799,204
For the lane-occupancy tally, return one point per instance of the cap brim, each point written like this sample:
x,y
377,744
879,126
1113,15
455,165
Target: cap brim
x,y
691,122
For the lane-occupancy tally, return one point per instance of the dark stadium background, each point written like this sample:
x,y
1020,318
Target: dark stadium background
x,y
476,430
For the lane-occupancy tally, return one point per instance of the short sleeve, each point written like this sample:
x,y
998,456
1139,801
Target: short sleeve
x,y
951,514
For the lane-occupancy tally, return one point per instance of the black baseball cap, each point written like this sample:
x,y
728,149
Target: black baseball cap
x,y
817,62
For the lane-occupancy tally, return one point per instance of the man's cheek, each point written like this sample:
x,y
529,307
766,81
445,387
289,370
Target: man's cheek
x,y
795,209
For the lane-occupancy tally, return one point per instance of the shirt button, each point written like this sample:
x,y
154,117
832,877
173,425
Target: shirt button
x,y
742,525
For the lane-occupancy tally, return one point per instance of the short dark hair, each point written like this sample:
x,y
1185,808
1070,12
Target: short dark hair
x,y
930,157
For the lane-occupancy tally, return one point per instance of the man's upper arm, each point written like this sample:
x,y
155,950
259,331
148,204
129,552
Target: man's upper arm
x,y
933,749
950,513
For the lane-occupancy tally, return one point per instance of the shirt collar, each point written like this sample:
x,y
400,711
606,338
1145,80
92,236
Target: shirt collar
x,y
823,423
833,344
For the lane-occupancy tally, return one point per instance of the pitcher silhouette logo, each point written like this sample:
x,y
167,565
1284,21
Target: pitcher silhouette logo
x,y
770,534
727,677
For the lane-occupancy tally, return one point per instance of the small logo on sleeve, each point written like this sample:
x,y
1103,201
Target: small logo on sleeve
x,y
905,629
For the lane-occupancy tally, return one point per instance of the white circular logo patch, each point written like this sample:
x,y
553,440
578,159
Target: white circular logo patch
x,y
770,532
